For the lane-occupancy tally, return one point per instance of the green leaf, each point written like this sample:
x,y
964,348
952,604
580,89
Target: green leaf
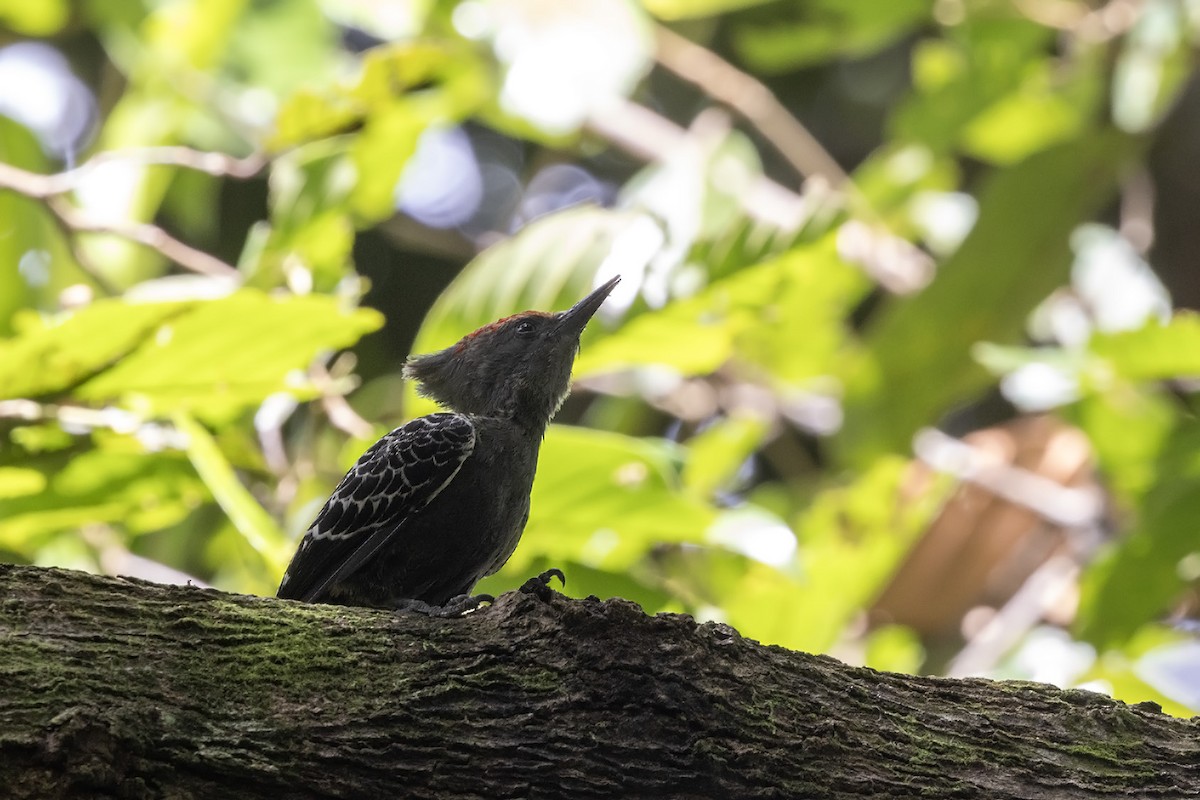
x,y
548,265
250,519
59,353
116,484
895,174
189,36
1157,351
1022,123
1131,671
604,500
1017,253
224,355
310,219
1127,427
895,648
852,540
388,72
672,10
281,46
716,454
787,316
380,152
958,77
20,481
821,29
42,18
33,258
1137,579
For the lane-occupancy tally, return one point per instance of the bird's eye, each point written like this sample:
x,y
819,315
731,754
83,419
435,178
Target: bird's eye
x,y
525,328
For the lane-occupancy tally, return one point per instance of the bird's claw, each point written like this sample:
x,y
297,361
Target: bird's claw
x,y
462,604
454,607
540,585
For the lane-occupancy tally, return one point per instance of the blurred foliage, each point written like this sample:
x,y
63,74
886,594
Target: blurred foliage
x,y
739,444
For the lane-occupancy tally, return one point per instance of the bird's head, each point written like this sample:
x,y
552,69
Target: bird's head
x,y
518,368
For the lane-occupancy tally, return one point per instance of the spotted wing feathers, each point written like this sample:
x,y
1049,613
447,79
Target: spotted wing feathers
x,y
399,475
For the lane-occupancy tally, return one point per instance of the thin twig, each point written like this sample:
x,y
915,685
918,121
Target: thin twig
x,y
1066,506
147,235
750,98
153,435
50,188
897,264
210,163
652,137
339,411
36,185
1102,24
1024,610
81,258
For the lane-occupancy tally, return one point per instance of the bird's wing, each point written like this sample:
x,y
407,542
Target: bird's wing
x,y
399,475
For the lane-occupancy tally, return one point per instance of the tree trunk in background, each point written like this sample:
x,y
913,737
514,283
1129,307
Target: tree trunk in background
x,y
118,688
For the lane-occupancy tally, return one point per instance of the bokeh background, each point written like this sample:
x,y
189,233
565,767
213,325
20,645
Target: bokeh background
x,y
898,370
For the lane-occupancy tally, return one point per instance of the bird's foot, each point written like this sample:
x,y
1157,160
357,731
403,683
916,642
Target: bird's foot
x,y
454,607
540,585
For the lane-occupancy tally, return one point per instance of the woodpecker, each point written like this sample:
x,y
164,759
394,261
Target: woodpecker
x,y
441,501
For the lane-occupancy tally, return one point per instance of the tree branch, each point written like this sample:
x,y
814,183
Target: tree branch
x,y
50,188
115,687
749,97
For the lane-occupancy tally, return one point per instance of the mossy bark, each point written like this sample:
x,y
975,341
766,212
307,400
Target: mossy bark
x,y
118,688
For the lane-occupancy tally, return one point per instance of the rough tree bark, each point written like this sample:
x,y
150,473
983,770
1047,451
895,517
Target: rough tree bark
x,y
118,688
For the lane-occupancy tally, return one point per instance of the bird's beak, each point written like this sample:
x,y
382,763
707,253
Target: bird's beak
x,y
575,318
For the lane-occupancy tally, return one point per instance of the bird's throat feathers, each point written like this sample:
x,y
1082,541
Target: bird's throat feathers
x,y
458,379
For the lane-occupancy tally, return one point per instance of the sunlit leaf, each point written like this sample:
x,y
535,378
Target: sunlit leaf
x,y
1134,672
852,539
19,481
1155,352
311,225
247,515
786,315
34,262
34,19
281,46
1127,427
453,74
894,648
893,175
604,499
957,77
1139,576
77,345
379,153
126,488
690,9
821,29
191,35
716,454
227,354
1021,124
